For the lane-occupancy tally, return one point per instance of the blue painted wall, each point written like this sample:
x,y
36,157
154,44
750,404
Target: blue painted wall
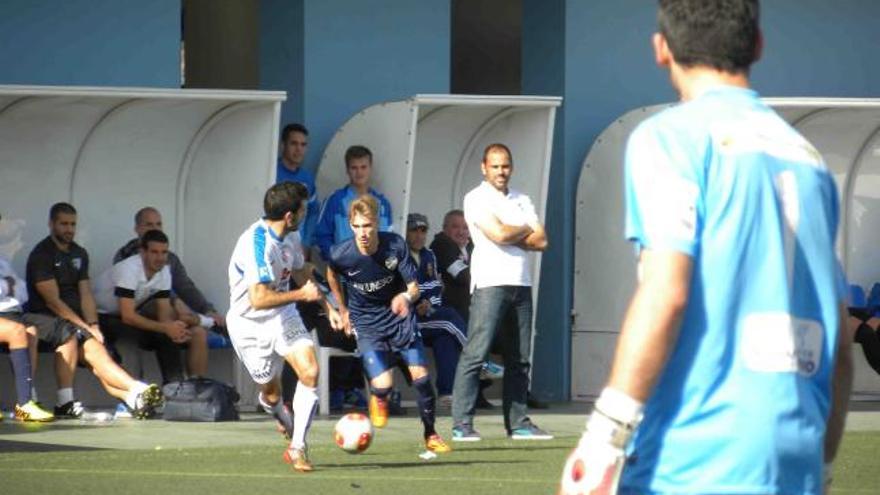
x,y
90,42
813,48
354,54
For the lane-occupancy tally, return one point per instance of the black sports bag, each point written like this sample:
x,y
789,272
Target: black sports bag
x,y
200,399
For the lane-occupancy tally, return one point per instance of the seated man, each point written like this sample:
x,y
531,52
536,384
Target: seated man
x,y
183,288
140,398
62,316
126,286
14,335
442,328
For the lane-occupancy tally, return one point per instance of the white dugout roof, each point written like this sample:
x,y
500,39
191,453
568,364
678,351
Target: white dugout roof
x,y
204,158
846,132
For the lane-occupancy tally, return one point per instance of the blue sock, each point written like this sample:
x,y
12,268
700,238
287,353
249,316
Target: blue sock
x,y
426,403
21,367
380,393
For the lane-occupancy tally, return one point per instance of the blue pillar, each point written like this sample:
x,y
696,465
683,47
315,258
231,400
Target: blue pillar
x,y
336,57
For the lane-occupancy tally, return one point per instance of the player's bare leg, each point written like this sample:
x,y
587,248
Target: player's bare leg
x,y
140,397
427,408
305,401
197,352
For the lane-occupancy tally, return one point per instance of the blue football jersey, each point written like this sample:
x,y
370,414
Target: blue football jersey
x,y
742,404
371,282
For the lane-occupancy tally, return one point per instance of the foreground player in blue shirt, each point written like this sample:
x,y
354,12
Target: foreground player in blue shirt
x,y
733,364
380,279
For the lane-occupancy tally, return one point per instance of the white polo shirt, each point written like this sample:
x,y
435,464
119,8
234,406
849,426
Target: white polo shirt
x,y
129,279
496,264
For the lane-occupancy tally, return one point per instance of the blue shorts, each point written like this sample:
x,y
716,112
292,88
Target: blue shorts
x,y
401,338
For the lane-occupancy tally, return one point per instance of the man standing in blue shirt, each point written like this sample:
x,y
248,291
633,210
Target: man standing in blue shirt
x,y
733,366
333,225
294,144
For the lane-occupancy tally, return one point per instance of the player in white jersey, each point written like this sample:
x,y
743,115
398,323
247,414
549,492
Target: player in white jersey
x,y
733,367
263,323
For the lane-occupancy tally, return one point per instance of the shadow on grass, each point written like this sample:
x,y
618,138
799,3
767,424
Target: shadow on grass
x,y
17,428
11,446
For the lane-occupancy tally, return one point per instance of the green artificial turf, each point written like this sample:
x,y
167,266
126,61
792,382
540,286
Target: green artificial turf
x,y
157,457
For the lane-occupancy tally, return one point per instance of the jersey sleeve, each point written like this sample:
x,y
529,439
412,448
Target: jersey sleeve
x,y
406,266
298,259
124,280
257,269
323,234
84,267
40,266
662,193
386,220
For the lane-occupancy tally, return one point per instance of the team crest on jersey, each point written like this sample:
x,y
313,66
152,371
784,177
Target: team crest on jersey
x,y
77,263
391,262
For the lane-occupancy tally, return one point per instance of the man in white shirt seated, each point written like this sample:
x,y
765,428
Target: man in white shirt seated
x,y
125,287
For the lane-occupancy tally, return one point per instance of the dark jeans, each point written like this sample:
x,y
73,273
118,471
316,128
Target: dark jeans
x,y
489,307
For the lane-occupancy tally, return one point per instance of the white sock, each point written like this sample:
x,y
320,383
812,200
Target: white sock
x,y
305,401
65,395
34,394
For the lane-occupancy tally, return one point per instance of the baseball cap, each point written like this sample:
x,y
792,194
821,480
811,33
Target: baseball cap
x,y
416,220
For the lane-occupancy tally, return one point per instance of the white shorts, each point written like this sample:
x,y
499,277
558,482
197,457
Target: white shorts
x,y
262,344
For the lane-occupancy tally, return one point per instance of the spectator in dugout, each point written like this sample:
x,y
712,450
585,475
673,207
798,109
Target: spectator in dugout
x,y
441,326
63,317
333,225
333,228
187,298
124,289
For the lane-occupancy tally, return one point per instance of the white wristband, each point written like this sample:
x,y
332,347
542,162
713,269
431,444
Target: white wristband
x,y
206,321
407,296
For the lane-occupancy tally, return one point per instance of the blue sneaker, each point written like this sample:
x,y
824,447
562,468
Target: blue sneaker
x,y
491,371
529,432
465,433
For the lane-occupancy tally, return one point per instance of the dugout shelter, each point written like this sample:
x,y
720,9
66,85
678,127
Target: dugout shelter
x,y
845,131
427,151
202,157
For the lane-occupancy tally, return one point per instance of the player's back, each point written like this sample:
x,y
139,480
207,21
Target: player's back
x,y
745,394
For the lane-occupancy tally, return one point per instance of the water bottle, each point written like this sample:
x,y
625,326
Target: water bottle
x,y
97,417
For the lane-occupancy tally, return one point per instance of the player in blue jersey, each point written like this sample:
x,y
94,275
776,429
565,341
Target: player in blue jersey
x,y
380,282
294,143
733,366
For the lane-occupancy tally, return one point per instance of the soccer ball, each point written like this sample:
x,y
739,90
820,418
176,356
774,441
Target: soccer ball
x,y
353,433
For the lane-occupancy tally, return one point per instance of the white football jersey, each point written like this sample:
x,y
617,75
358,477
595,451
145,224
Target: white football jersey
x,y
261,257
129,279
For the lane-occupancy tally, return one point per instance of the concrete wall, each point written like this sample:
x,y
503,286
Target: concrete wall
x,y
601,51
90,42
